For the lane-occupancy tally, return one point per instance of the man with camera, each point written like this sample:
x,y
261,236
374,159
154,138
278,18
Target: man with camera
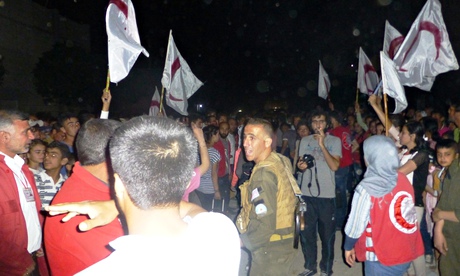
x,y
320,155
266,221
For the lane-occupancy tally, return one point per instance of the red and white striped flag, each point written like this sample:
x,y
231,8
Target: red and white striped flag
x,y
367,76
391,84
124,44
178,80
324,84
392,40
155,103
426,51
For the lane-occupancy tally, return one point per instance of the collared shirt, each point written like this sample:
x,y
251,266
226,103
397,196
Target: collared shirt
x,y
46,187
29,209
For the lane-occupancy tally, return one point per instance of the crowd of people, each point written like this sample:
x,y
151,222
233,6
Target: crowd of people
x,y
85,195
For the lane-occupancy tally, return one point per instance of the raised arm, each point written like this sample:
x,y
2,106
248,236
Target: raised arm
x,y
106,99
205,163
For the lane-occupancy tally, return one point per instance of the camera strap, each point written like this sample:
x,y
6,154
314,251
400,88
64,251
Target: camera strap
x,y
316,180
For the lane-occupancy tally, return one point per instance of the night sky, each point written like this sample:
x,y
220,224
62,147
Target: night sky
x,y
251,52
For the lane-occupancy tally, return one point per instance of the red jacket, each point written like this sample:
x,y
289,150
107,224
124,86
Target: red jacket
x,y
396,239
223,163
14,257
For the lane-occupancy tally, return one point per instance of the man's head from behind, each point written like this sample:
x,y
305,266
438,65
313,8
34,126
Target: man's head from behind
x,y
93,139
153,160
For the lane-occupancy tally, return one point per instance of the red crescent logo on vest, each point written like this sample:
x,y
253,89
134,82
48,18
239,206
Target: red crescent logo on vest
x,y
402,212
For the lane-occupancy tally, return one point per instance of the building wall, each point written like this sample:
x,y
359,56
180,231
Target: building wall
x,y
27,31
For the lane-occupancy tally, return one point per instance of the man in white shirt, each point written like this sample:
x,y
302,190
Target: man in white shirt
x,y
20,229
149,189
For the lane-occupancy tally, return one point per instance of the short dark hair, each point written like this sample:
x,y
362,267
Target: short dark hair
x,y
7,118
35,142
64,116
337,116
93,139
209,131
447,144
266,124
64,149
318,113
154,158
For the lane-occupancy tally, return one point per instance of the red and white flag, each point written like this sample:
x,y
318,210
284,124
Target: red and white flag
x,y
392,40
391,84
368,79
426,51
124,44
155,103
178,80
324,84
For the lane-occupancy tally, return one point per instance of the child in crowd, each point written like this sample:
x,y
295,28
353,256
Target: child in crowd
x,y
50,181
36,155
446,214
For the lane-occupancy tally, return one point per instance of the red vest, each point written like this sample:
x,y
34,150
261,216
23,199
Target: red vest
x,y
14,257
392,233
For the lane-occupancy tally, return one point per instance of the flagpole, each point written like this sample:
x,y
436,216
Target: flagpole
x,y
166,59
107,82
161,100
357,91
385,99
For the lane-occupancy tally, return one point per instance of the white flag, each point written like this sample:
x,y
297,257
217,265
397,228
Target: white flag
x,y
367,76
392,40
123,38
324,84
155,103
426,51
391,84
178,80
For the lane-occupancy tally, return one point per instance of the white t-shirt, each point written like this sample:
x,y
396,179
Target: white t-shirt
x,y
209,246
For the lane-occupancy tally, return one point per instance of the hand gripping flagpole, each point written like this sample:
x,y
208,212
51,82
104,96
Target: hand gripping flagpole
x,y
162,87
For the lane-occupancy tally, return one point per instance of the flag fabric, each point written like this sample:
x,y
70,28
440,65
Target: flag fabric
x,y
368,79
392,40
155,103
178,80
426,51
391,84
123,38
324,84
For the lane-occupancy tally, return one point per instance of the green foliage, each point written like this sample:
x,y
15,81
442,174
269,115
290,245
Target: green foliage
x,y
70,76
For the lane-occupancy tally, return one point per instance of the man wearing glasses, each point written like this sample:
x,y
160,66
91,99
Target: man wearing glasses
x,y
319,158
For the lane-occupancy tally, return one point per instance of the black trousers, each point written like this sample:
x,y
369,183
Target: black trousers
x,y
319,219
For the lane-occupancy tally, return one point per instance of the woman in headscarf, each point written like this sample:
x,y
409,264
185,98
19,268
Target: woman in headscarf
x,y
382,227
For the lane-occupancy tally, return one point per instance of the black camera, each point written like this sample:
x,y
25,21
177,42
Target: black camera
x,y
309,160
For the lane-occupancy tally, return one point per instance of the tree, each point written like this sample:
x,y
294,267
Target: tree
x,y
70,76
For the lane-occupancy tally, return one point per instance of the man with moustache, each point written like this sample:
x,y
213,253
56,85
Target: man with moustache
x,y
266,221
318,185
20,228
